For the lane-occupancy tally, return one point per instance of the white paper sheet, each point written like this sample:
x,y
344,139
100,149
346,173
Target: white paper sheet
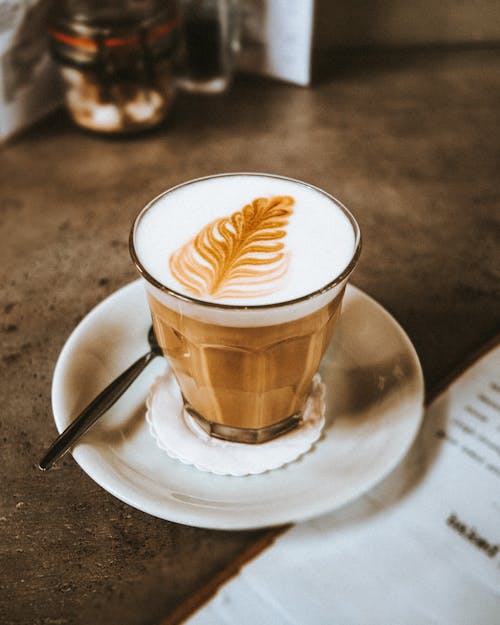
x,y
421,548
29,86
277,39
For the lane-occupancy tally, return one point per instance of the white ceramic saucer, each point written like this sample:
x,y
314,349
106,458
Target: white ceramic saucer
x,y
374,408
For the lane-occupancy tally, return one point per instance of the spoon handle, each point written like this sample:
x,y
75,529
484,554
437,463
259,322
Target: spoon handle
x,y
94,410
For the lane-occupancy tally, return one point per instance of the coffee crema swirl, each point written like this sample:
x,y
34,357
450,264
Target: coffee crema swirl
x,y
243,254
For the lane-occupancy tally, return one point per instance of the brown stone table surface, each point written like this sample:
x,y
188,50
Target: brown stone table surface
x,y
410,142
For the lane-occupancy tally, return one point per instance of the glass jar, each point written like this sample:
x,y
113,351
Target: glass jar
x,y
116,59
209,44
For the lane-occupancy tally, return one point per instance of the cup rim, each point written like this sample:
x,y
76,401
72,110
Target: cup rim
x,y
239,307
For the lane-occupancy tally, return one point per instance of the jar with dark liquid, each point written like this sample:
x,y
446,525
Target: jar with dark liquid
x,y
116,59
209,44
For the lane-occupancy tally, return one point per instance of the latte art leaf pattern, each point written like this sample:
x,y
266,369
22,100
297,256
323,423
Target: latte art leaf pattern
x,y
240,255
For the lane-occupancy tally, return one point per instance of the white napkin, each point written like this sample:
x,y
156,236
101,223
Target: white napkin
x,y
422,548
183,439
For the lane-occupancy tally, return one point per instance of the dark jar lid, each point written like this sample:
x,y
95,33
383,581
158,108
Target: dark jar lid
x,y
81,31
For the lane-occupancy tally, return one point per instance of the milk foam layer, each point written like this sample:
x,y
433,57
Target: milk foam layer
x,y
320,240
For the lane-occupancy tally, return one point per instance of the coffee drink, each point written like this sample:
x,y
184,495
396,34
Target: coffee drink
x,y
245,275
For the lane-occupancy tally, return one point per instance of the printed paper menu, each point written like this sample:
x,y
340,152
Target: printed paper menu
x,y
422,548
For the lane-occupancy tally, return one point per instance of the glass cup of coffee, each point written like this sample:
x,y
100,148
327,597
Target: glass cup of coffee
x,y
245,275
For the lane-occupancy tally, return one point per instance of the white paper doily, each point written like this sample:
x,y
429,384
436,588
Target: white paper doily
x,y
183,439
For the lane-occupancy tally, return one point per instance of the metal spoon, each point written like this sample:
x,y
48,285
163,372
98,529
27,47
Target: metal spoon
x,y
99,406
